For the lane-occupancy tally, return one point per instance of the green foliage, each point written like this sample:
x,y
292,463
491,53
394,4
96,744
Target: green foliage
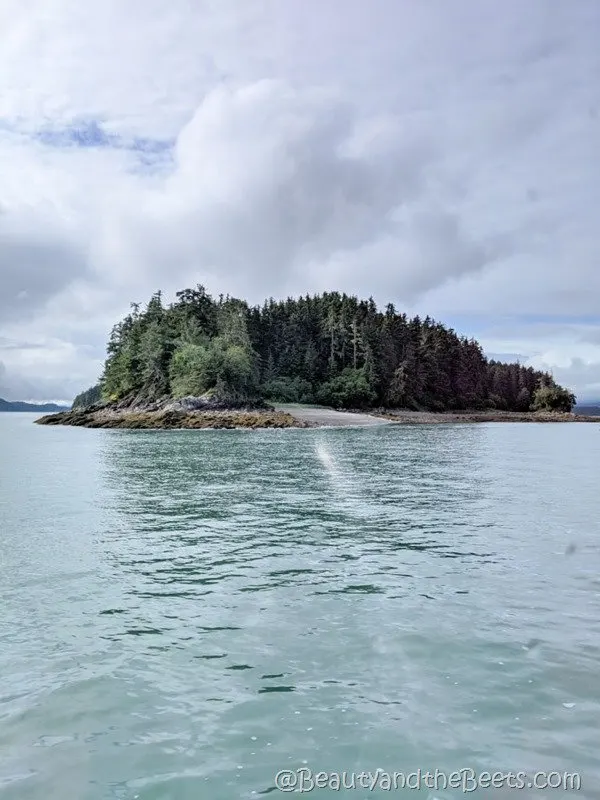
x,y
88,398
190,371
497,402
236,370
154,358
196,369
523,401
288,390
351,389
552,398
332,348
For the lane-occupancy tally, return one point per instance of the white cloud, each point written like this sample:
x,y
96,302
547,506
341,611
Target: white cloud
x,y
441,156
551,347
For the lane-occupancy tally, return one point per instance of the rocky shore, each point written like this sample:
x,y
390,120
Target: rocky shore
x,y
431,418
187,413
202,412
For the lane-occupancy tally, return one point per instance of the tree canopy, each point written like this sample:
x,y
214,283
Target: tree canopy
x,y
88,398
332,349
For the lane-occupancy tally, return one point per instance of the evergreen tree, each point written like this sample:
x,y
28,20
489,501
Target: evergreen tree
x,y
332,348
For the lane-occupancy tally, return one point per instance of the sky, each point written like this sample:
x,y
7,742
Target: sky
x,y
443,155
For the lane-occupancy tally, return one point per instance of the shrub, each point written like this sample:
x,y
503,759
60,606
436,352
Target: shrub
x,y
552,398
195,369
288,390
348,390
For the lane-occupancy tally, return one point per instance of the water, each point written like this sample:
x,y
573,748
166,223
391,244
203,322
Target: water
x,y
184,614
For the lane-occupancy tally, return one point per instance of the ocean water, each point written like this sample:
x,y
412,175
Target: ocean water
x,y
186,614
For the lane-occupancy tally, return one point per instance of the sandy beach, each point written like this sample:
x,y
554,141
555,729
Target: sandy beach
x,y
317,416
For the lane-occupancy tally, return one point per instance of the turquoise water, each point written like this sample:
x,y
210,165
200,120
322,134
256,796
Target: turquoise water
x,y
184,614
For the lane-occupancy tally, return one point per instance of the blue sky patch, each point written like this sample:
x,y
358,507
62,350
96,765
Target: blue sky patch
x,y
91,134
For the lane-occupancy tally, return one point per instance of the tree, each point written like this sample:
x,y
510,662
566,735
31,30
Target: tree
x,y
223,367
523,399
351,389
155,358
88,398
332,346
552,398
288,390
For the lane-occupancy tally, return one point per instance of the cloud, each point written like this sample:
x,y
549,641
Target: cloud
x,y
52,370
440,157
550,346
17,387
424,248
293,178
29,266
578,373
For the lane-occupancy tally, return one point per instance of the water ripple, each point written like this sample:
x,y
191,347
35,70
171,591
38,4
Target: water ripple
x,y
200,611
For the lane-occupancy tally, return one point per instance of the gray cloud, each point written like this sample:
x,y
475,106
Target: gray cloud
x,y
310,192
9,344
436,155
583,377
33,268
16,387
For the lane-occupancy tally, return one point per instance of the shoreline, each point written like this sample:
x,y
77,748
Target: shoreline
x,y
283,416
173,420
322,417
403,417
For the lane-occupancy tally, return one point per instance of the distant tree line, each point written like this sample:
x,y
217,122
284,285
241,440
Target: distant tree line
x,y
330,349
88,398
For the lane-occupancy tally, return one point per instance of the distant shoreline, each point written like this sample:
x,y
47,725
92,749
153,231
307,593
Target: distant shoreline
x,y
284,416
329,417
20,407
431,418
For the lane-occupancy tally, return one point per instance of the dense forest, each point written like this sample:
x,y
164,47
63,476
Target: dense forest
x,y
330,349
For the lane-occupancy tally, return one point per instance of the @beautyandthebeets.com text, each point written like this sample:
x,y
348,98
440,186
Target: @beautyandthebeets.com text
x,y
466,780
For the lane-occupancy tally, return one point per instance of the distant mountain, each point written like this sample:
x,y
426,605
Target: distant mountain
x,y
41,408
588,409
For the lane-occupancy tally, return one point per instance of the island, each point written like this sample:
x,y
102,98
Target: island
x,y
201,362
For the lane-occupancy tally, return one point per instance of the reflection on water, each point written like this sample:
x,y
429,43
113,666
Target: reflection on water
x,y
194,518
217,606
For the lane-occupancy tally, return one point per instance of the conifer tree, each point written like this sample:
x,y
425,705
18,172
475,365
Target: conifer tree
x,y
332,348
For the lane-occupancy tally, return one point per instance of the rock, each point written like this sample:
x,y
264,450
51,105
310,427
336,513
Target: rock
x,y
211,403
173,415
